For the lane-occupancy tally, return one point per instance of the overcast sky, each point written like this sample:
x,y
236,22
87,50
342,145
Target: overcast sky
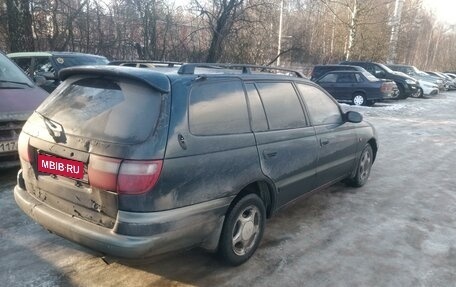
x,y
445,10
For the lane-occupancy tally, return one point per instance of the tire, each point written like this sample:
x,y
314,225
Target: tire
x,y
359,99
242,230
363,168
418,94
401,95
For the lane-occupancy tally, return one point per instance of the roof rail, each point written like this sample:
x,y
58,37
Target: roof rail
x,y
169,63
189,69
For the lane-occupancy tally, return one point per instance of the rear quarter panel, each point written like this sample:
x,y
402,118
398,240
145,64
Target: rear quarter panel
x,y
209,167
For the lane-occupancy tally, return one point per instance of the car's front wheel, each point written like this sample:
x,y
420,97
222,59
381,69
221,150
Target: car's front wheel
x,y
401,95
242,230
418,94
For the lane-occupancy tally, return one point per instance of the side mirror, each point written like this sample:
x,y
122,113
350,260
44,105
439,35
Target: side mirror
x,y
353,117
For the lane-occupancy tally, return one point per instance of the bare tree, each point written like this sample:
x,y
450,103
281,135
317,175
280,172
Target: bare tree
x,y
19,25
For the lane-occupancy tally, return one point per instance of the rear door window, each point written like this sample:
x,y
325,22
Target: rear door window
x,y
345,78
329,78
218,108
359,78
105,109
282,106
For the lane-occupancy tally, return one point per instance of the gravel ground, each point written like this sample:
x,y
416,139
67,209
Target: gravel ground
x,y
398,230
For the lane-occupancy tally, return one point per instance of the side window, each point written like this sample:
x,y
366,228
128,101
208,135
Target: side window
x,y
43,65
259,121
345,78
218,108
282,106
322,109
359,78
378,71
329,78
409,71
369,68
25,64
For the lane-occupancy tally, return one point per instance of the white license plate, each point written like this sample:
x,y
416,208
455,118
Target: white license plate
x,y
7,146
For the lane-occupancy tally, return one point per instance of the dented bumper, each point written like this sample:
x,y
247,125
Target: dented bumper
x,y
134,235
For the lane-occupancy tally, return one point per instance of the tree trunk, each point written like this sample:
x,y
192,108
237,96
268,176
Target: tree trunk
x,y
20,25
352,30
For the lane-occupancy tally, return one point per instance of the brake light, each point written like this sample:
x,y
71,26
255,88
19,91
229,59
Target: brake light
x,y
386,87
136,177
124,177
103,172
25,152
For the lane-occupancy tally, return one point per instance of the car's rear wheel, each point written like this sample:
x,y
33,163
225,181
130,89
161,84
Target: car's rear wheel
x,y
242,230
359,99
363,168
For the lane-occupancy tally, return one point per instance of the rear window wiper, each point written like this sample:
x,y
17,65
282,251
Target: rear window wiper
x,y
14,82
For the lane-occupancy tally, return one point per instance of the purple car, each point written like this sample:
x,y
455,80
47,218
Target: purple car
x,y
19,97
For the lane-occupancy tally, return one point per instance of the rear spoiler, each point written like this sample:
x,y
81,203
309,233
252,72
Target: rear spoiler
x,y
156,80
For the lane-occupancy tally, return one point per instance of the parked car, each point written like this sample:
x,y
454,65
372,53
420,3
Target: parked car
x,y
408,86
413,72
319,70
453,76
48,64
452,81
135,162
429,88
19,97
357,88
446,81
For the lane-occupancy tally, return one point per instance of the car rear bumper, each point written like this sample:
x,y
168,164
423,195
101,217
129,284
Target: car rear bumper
x,y
165,231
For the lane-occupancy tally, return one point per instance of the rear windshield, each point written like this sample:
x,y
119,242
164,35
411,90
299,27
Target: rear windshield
x,y
104,109
370,77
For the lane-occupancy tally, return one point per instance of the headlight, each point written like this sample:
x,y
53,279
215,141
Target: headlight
x,y
439,82
410,82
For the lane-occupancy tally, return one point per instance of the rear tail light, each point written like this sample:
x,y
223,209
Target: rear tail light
x,y
386,87
124,177
24,149
136,177
103,172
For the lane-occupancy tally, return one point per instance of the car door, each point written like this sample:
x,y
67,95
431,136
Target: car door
x,y
345,86
336,138
287,146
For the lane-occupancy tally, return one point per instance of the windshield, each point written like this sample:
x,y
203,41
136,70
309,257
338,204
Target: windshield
x,y
11,74
69,61
385,68
423,73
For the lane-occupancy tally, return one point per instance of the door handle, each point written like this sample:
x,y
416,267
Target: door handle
x,y
269,154
324,142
